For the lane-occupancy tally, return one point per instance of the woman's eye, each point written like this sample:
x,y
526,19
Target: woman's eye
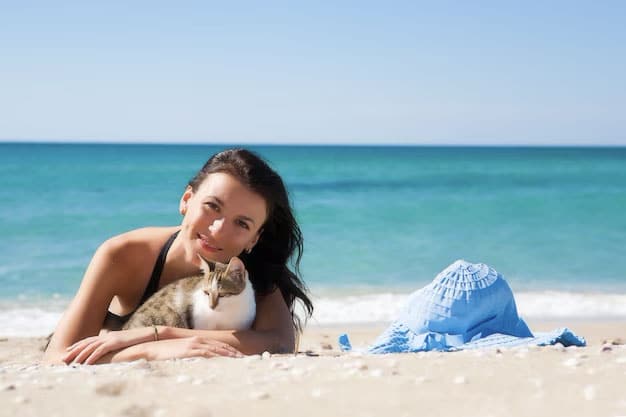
x,y
243,224
213,206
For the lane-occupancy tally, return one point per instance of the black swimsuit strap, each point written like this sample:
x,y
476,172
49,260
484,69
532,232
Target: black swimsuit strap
x,y
113,320
153,284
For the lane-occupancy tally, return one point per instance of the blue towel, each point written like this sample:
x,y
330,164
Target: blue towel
x,y
467,306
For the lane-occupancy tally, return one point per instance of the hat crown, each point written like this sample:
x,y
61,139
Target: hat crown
x,y
465,276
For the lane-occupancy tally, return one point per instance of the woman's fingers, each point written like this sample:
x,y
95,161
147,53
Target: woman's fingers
x,y
82,342
231,351
209,352
70,355
97,354
220,349
85,352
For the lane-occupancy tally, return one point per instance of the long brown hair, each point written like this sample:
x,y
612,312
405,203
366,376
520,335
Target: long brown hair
x,y
281,240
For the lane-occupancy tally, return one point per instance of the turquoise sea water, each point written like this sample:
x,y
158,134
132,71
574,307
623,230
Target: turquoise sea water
x,y
375,219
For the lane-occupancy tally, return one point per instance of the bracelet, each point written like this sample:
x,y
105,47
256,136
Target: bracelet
x,y
156,333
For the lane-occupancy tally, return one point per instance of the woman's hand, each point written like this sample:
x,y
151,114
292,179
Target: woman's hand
x,y
188,347
90,349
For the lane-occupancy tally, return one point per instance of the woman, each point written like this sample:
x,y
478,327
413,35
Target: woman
x,y
236,205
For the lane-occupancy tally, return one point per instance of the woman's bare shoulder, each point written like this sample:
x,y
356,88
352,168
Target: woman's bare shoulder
x,y
138,243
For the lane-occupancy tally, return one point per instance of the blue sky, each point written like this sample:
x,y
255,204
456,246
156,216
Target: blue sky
x,y
413,72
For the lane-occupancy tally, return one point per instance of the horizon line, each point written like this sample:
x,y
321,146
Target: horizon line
x,y
309,143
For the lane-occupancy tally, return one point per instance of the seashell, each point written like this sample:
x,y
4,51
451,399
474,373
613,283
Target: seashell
x,y
135,410
181,379
460,379
421,379
297,372
359,365
572,362
537,382
391,363
589,392
111,389
159,412
259,395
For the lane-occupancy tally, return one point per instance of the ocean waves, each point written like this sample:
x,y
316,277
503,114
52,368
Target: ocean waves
x,y
548,305
38,318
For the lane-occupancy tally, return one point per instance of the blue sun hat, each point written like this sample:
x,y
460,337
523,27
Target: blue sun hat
x,y
466,306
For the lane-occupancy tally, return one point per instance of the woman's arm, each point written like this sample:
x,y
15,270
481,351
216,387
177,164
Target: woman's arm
x,y
272,331
168,349
85,314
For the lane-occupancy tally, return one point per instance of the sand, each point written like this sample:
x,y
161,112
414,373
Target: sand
x,y
321,381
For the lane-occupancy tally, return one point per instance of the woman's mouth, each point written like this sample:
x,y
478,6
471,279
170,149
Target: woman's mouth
x,y
207,245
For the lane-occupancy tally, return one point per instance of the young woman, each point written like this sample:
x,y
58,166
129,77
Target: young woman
x,y
236,205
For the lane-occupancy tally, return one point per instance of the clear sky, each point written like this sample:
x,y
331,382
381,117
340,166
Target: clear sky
x,y
439,72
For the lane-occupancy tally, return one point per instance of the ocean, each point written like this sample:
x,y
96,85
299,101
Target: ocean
x,y
378,222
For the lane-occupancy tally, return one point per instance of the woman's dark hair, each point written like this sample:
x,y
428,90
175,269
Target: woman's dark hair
x,y
281,237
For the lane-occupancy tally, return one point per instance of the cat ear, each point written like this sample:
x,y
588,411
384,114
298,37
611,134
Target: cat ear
x,y
236,270
235,266
206,265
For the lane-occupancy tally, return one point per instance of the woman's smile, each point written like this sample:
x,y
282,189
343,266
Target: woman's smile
x,y
207,244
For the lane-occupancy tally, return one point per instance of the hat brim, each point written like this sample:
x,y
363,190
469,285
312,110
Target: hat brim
x,y
399,339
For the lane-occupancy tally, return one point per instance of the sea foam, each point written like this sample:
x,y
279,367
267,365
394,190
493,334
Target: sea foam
x,y
40,320
364,309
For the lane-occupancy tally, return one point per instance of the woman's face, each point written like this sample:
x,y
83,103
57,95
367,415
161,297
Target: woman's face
x,y
222,218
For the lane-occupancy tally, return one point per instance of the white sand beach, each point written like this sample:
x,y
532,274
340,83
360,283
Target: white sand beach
x,y
322,381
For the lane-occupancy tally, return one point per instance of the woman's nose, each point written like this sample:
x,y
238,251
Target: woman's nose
x,y
217,225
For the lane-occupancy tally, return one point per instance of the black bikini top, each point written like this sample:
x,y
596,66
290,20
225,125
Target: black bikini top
x,y
113,321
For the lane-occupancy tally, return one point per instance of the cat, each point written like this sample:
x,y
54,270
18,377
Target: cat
x,y
221,298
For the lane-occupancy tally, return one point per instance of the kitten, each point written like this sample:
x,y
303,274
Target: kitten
x,y
222,298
